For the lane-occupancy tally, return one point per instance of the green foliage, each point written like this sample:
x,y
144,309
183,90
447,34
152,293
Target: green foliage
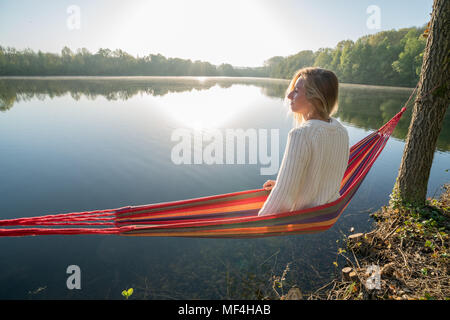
x,y
385,58
427,225
127,293
110,63
427,296
409,61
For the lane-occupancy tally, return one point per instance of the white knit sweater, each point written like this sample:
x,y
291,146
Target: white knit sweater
x,y
312,168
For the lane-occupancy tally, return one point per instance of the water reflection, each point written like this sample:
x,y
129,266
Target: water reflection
x,y
364,107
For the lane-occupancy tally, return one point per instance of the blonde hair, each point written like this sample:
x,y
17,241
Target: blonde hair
x,y
321,89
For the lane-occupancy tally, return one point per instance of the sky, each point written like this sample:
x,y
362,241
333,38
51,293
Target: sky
x,y
238,32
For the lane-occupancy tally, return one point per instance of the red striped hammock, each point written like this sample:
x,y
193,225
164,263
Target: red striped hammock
x,y
231,215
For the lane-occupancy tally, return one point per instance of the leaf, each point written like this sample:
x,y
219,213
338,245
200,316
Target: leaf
x,y
127,293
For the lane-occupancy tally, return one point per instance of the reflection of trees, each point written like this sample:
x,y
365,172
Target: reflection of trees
x,y
276,89
15,89
370,108
7,102
362,106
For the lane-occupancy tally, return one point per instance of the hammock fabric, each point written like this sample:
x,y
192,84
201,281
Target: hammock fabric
x,y
231,215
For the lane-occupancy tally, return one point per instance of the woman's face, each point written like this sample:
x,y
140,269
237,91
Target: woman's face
x,y
299,103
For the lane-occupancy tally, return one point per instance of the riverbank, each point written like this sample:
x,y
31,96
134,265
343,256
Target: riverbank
x,y
405,257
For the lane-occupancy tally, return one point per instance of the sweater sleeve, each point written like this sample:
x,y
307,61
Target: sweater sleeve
x,y
284,194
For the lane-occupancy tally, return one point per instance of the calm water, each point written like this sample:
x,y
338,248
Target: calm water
x,y
88,143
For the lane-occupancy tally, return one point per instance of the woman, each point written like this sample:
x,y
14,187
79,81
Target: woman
x,y
317,148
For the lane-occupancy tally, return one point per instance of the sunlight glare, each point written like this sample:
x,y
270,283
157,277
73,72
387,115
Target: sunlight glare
x,y
208,109
233,31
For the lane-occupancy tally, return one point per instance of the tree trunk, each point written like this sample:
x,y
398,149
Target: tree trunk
x,y
429,110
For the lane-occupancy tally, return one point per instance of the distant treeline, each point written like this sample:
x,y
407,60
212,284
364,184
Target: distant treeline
x,y
386,58
110,63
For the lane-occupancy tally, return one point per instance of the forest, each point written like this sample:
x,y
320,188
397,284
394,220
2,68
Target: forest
x,y
391,58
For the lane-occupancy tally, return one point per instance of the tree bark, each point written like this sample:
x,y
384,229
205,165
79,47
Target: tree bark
x,y
429,110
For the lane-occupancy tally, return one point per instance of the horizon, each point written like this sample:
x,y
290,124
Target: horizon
x,y
210,32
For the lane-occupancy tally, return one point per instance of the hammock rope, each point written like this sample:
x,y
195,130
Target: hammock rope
x,y
230,215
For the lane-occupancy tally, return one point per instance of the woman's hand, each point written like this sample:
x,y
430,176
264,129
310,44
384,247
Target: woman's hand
x,y
269,184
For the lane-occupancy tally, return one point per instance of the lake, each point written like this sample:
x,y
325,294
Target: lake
x,y
71,144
